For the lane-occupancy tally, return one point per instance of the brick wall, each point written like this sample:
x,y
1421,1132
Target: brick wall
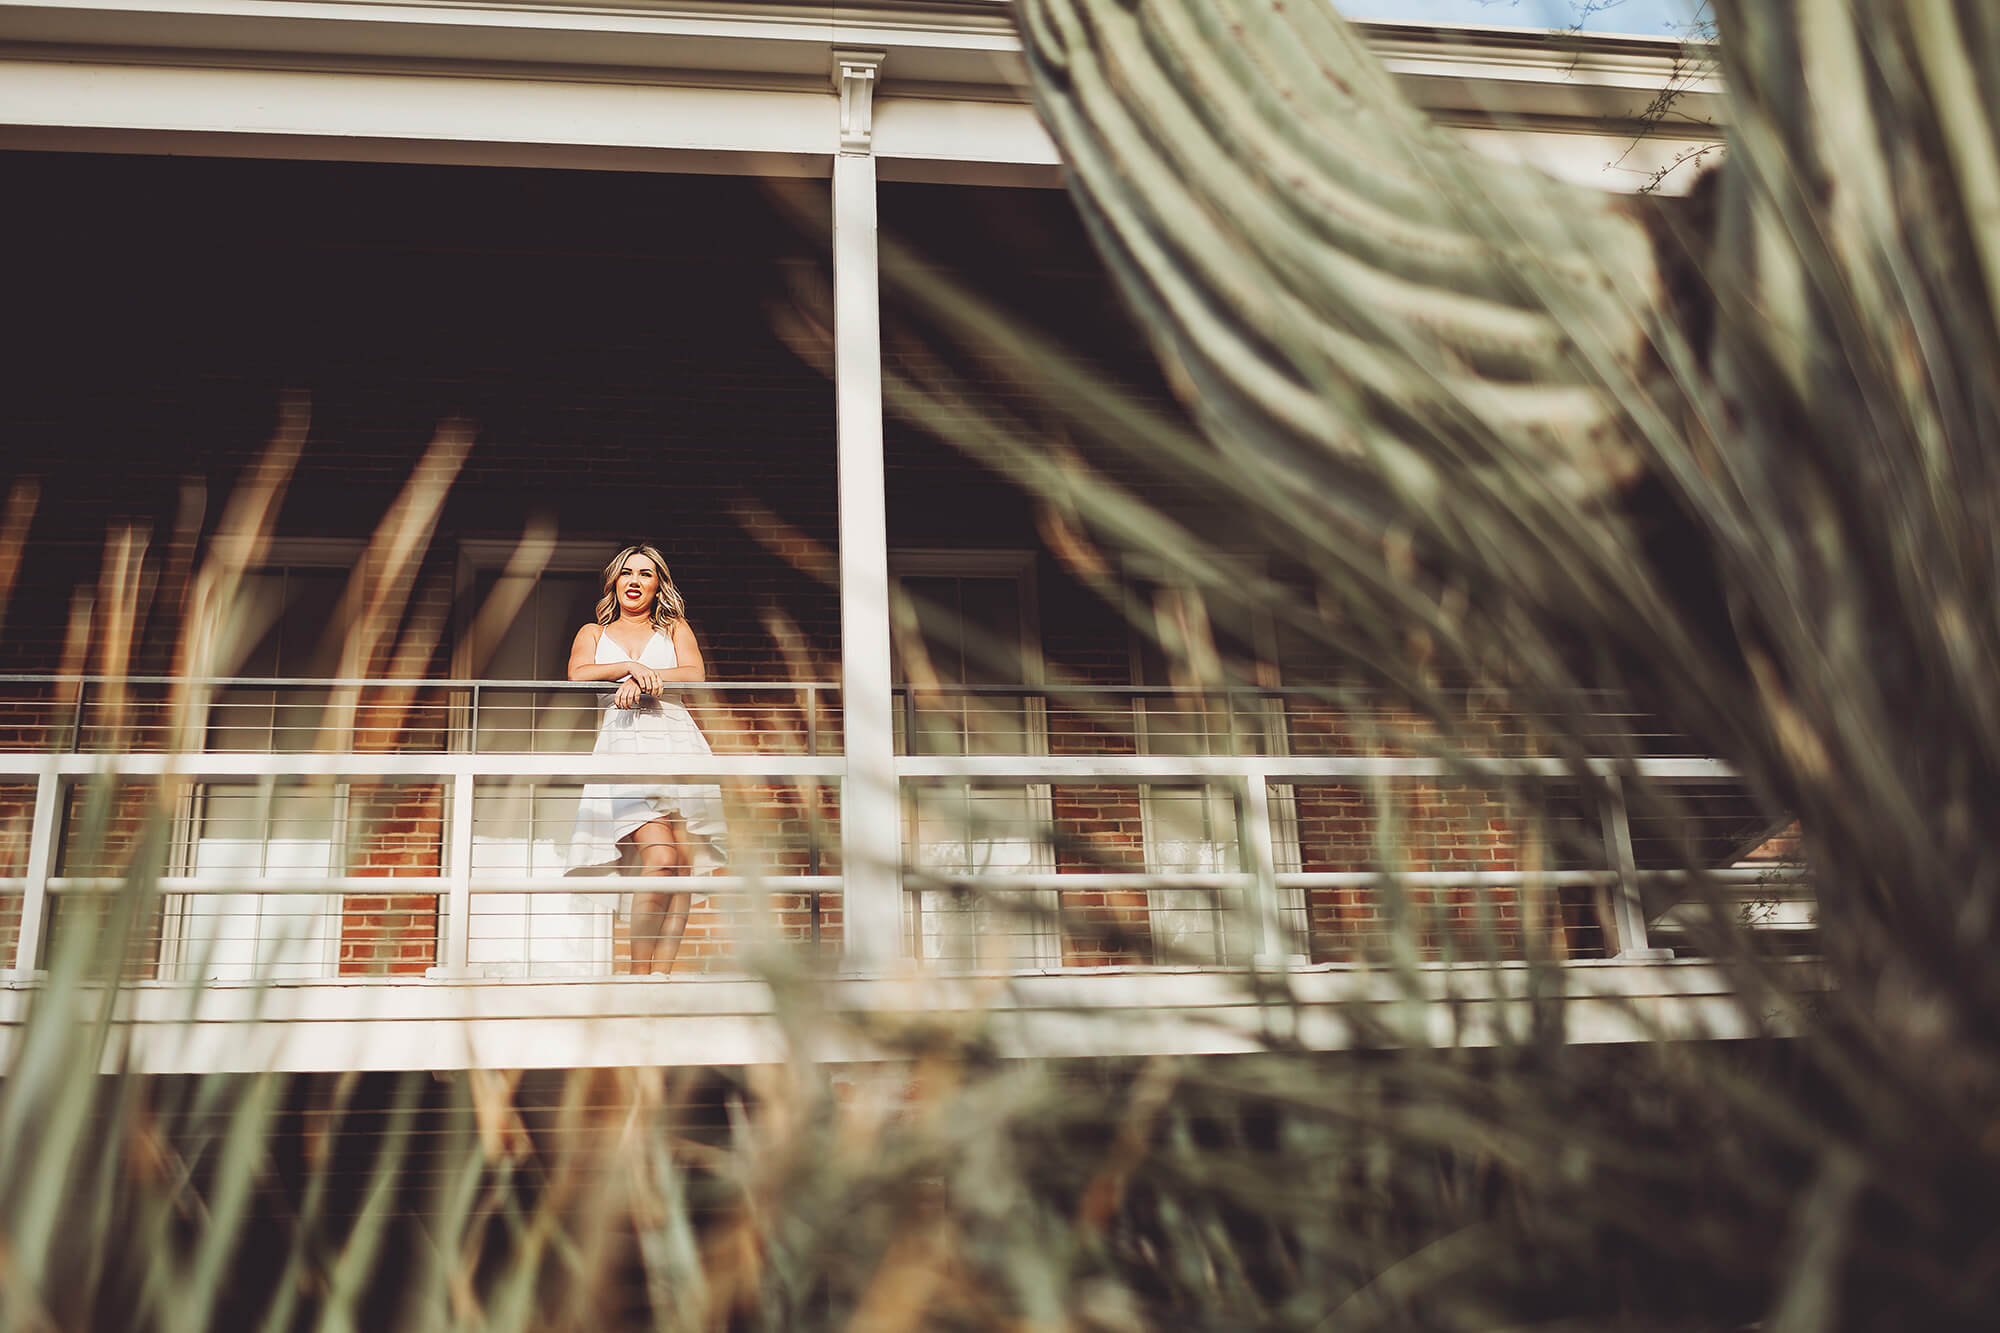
x,y
398,831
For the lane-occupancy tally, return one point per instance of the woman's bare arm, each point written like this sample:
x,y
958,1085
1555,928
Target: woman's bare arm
x,y
687,652
583,663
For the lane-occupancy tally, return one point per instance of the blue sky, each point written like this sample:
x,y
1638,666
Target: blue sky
x,y
1650,18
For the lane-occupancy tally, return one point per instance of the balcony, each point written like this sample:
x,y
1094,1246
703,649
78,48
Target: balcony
x,y
353,874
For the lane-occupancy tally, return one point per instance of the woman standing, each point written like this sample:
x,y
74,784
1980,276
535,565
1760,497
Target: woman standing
x,y
641,639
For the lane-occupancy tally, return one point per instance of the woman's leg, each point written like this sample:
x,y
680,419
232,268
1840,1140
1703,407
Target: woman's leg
x,y
659,918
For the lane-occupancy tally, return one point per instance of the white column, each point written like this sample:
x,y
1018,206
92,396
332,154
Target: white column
x,y
871,840
29,944
1628,910
1258,855
456,964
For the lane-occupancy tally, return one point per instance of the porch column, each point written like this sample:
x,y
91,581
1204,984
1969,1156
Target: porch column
x,y
871,842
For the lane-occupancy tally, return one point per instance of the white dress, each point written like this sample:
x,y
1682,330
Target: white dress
x,y
609,812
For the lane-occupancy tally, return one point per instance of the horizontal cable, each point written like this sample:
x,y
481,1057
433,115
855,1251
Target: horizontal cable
x,y
398,886
654,769
409,683
628,768
1282,768
1337,879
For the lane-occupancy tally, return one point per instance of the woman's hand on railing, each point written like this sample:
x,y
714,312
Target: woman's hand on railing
x,y
648,680
628,694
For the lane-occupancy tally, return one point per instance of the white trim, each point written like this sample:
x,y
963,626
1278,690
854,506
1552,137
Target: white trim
x,y
502,119
731,86
386,1024
921,139
955,43
1793,881
856,76
957,46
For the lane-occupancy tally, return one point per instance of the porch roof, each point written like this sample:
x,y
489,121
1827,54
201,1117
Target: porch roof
x,y
737,86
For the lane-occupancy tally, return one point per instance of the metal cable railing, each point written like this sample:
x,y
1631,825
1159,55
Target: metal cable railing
x,y
93,714
1202,829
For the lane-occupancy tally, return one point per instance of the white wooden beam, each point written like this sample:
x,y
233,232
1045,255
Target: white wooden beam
x,y
389,1024
921,137
1628,912
361,115
871,843
33,929
457,961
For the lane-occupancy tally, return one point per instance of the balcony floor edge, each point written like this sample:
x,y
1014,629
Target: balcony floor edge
x,y
382,1024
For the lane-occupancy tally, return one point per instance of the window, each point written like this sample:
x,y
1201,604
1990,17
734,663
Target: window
x,y
1216,670
268,830
968,665
517,624
283,625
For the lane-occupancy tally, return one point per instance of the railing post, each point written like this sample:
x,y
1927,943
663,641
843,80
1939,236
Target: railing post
x,y
457,962
1270,948
35,893
1628,910
76,724
871,841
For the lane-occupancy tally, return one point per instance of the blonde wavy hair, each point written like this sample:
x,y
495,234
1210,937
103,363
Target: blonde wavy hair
x,y
668,606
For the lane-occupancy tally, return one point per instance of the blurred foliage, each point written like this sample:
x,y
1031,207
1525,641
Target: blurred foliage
x,y
1735,462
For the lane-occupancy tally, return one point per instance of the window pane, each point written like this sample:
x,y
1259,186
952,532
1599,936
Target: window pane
x,y
940,630
970,631
990,611
535,645
309,641
242,832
